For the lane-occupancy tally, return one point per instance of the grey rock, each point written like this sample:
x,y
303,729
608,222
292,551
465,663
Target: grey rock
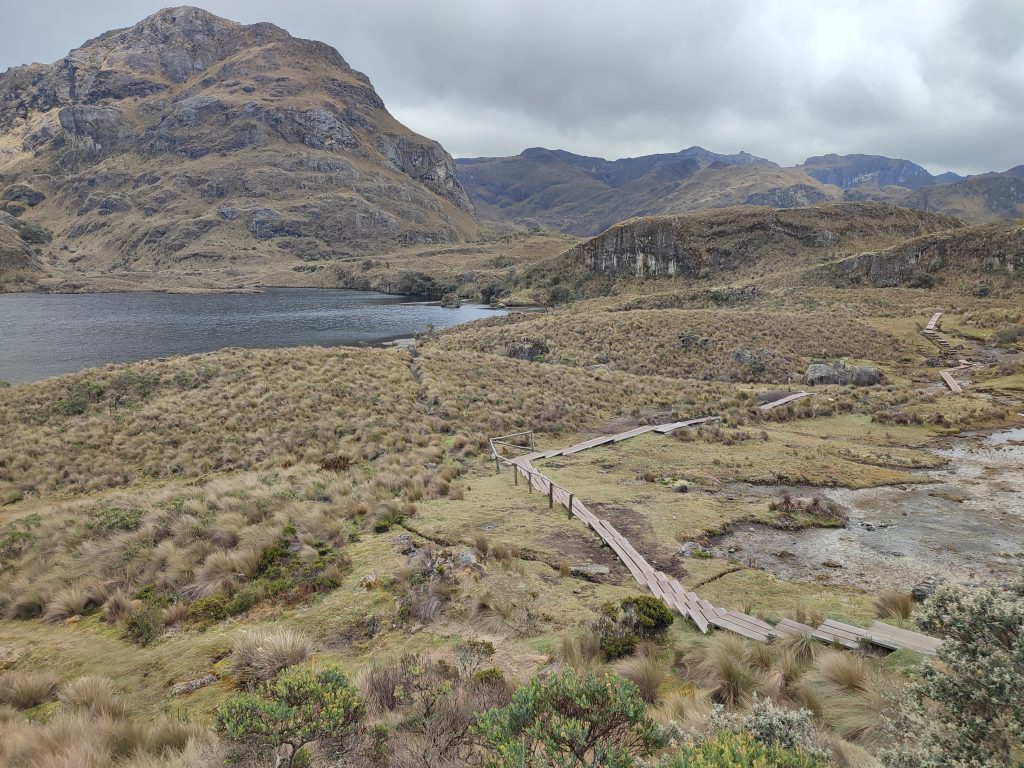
x,y
926,588
180,689
692,549
405,544
527,349
465,558
23,193
590,571
840,373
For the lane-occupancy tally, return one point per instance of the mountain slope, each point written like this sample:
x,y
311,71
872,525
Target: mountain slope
x,y
846,171
583,195
978,199
191,142
586,195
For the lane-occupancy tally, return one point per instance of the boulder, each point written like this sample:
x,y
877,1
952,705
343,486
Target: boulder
x,y
527,349
926,588
840,373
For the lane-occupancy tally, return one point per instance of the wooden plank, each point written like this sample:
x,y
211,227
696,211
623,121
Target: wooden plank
x,y
933,321
753,621
666,428
790,627
692,610
889,636
727,622
784,400
588,444
634,433
626,560
950,381
849,630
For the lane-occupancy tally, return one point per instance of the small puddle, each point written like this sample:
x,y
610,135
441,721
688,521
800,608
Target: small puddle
x,y
967,524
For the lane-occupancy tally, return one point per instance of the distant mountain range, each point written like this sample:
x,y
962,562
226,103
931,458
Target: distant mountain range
x,y
586,195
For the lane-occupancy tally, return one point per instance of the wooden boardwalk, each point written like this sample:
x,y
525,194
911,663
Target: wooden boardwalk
x,y
688,604
931,332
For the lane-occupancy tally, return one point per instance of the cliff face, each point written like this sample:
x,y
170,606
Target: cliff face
x,y
191,139
706,242
994,250
848,171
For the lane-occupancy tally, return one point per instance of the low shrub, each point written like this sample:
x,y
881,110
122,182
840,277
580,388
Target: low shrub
x,y
299,707
565,719
144,625
739,750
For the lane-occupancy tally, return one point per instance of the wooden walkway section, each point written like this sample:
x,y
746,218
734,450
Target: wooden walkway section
x,y
950,381
686,603
662,429
931,332
787,399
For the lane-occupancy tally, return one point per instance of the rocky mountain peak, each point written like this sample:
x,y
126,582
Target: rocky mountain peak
x,y
187,133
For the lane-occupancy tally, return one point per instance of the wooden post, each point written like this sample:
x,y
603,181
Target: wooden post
x,y
551,495
497,465
529,481
515,472
569,508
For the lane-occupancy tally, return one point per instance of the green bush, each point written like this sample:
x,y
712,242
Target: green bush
x,y
144,625
296,708
966,703
210,609
566,720
77,400
111,519
633,619
740,750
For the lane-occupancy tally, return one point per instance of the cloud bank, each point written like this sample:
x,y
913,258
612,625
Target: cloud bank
x,y
940,82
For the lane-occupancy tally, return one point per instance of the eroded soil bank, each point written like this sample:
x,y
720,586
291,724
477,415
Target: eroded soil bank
x,y
965,524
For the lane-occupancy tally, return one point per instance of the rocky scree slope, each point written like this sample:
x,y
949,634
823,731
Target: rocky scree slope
x,y
190,142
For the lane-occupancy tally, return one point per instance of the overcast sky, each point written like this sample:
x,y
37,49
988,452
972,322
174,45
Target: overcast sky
x,y
940,82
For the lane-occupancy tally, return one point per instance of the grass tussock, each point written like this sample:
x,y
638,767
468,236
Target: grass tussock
x,y
891,604
262,653
24,688
646,670
847,694
723,664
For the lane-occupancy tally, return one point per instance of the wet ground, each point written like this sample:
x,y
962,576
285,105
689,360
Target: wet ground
x,y
967,524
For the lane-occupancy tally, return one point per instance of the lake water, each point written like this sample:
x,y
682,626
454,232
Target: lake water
x,y
43,335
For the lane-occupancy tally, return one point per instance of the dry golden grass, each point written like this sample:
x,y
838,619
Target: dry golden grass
x,y
261,654
25,688
682,343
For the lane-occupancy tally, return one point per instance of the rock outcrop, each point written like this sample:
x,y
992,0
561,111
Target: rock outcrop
x,y
840,373
188,137
987,251
706,242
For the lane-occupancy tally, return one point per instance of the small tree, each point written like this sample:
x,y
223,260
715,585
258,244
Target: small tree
x,y
566,720
296,708
967,701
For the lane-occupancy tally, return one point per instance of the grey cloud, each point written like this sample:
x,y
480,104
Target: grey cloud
x,y
940,82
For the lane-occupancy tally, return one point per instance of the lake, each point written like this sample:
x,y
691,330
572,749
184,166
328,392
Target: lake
x,y
43,335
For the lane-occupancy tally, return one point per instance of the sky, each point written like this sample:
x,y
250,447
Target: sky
x,y
939,82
